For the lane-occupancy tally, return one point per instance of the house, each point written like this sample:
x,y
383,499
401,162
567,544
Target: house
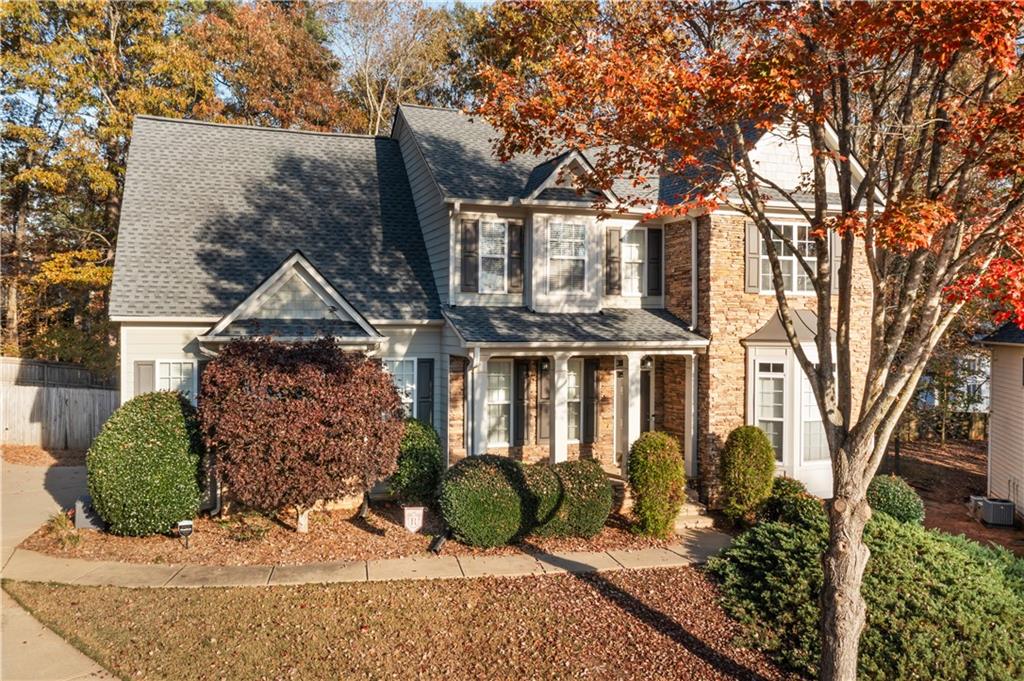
x,y
1006,416
512,315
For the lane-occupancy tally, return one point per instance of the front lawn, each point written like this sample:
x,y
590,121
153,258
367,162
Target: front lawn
x,y
662,624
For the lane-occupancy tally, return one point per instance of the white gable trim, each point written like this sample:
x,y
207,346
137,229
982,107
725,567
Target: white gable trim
x,y
296,262
573,157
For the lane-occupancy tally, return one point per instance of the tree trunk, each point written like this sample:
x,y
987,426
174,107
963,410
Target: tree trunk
x,y
843,611
302,524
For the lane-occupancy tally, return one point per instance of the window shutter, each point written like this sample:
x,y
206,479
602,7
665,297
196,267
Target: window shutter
x,y
753,259
645,401
612,259
515,256
543,400
145,377
425,390
470,261
654,244
835,249
521,372
590,399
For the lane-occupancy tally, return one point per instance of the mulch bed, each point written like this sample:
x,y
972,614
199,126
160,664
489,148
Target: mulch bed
x,y
31,455
252,539
945,475
658,624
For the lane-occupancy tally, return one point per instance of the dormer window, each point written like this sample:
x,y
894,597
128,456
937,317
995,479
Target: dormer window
x,y
567,257
493,257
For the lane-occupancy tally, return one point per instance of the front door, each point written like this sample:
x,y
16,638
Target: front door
x,y
621,418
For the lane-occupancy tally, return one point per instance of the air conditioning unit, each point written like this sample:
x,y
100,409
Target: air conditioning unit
x,y
997,512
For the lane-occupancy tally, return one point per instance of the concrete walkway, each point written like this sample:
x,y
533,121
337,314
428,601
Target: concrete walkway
x,y
693,547
30,651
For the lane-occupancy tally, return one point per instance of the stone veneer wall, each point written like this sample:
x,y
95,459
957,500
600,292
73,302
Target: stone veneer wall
x,y
726,314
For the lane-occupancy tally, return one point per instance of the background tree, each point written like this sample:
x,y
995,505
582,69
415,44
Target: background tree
x,y
391,51
927,96
291,425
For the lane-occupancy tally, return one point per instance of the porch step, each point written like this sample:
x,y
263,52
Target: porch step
x,y
693,515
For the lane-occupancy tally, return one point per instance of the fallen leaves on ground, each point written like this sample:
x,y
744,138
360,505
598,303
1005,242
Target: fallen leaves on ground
x,y
662,623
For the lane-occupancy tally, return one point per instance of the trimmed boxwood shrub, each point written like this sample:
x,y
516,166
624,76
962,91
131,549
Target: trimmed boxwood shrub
x,y
658,482
420,465
747,471
582,502
143,467
783,491
483,498
938,606
790,502
892,495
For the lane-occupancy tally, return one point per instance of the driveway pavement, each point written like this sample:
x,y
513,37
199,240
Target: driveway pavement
x,y
30,651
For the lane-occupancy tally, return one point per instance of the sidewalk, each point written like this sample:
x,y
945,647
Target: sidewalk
x,y
30,651
693,547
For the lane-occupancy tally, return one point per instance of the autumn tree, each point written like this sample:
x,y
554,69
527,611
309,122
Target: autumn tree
x,y
391,52
294,424
915,110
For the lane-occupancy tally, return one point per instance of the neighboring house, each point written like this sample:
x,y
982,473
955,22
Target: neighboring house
x,y
512,316
1006,416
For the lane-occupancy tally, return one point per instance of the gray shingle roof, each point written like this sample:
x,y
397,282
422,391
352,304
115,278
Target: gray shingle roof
x,y
459,151
805,323
520,325
293,328
1007,333
210,211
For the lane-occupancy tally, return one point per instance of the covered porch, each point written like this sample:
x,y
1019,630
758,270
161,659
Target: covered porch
x,y
552,398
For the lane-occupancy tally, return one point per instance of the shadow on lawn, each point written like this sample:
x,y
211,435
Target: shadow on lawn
x,y
652,617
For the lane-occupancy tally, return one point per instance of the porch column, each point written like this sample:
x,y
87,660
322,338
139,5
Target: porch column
x,y
480,406
559,407
633,426
690,444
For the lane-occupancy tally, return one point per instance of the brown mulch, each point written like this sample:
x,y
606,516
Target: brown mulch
x,y
656,624
31,455
252,539
945,475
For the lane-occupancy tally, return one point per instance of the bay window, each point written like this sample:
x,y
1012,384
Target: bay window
x,y
770,403
815,444
499,402
567,257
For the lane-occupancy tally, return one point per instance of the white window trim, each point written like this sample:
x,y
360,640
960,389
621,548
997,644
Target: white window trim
x,y
181,360
510,402
586,257
643,263
762,259
480,256
415,379
575,361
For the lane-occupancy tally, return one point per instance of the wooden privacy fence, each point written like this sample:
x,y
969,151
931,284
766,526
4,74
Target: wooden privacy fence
x,y
52,405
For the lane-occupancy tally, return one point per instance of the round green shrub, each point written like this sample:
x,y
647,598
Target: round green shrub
x,y
484,501
420,465
784,490
790,502
747,471
143,467
658,482
892,495
582,500
933,600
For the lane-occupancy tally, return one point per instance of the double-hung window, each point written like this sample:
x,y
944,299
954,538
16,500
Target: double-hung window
x,y
815,444
403,374
567,257
493,257
178,376
793,275
574,399
499,402
770,402
634,249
